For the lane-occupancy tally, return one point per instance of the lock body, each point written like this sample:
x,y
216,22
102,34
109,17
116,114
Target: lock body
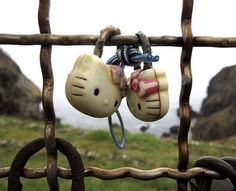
x,y
90,88
148,98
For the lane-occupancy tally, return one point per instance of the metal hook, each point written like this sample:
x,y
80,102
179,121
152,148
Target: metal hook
x,y
111,126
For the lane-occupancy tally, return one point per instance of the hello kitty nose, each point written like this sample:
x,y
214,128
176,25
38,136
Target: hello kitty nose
x,y
106,102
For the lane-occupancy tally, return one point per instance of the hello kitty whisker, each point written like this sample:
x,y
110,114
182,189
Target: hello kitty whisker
x,y
153,107
152,114
156,100
81,78
76,86
77,94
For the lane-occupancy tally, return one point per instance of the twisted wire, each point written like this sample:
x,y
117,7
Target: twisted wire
x,y
118,173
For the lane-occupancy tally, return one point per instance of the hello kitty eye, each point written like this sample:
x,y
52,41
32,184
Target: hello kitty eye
x,y
96,92
116,103
139,106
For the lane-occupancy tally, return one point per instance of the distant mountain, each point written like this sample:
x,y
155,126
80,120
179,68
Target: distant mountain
x,y
218,108
18,95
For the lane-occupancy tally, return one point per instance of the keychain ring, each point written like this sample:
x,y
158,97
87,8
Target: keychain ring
x,y
122,143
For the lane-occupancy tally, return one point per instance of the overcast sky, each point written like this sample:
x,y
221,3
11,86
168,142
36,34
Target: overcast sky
x,y
153,17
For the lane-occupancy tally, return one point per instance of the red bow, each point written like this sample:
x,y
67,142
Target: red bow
x,y
141,86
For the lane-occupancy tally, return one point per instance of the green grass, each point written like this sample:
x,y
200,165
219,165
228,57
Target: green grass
x,y
144,151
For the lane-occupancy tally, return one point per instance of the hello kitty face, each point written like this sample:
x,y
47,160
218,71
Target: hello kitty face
x,y
148,98
90,88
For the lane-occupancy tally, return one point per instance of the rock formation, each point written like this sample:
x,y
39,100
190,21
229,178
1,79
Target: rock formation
x,y
219,108
18,95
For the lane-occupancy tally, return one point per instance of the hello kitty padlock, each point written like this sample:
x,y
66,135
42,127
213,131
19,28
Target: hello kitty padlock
x,y
90,87
95,88
148,98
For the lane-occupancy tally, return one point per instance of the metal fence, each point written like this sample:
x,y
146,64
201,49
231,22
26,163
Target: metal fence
x,y
206,167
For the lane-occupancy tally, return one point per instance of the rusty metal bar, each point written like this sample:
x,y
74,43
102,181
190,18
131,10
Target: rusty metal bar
x,y
66,40
118,173
47,97
186,85
125,172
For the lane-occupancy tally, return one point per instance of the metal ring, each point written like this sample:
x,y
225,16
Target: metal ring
x,y
66,148
222,167
122,144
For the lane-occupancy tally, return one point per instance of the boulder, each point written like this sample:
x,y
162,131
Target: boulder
x,y
218,125
218,108
18,95
221,91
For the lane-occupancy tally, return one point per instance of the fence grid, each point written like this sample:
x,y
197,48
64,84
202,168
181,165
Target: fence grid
x,y
182,174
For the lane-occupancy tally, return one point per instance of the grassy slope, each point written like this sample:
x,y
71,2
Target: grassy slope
x,y
144,151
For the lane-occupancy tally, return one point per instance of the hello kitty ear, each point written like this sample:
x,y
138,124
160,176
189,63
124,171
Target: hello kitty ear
x,y
85,62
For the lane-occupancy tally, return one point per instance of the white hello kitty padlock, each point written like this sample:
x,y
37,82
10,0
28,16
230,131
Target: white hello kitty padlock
x,y
90,87
148,98
96,89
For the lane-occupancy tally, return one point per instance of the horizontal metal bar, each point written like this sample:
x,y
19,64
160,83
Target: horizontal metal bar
x,y
120,173
53,39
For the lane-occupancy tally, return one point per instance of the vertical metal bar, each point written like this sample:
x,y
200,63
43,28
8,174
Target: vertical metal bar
x,y
186,85
47,97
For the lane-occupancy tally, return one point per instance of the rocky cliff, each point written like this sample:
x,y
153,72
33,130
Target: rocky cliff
x,y
18,95
219,108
